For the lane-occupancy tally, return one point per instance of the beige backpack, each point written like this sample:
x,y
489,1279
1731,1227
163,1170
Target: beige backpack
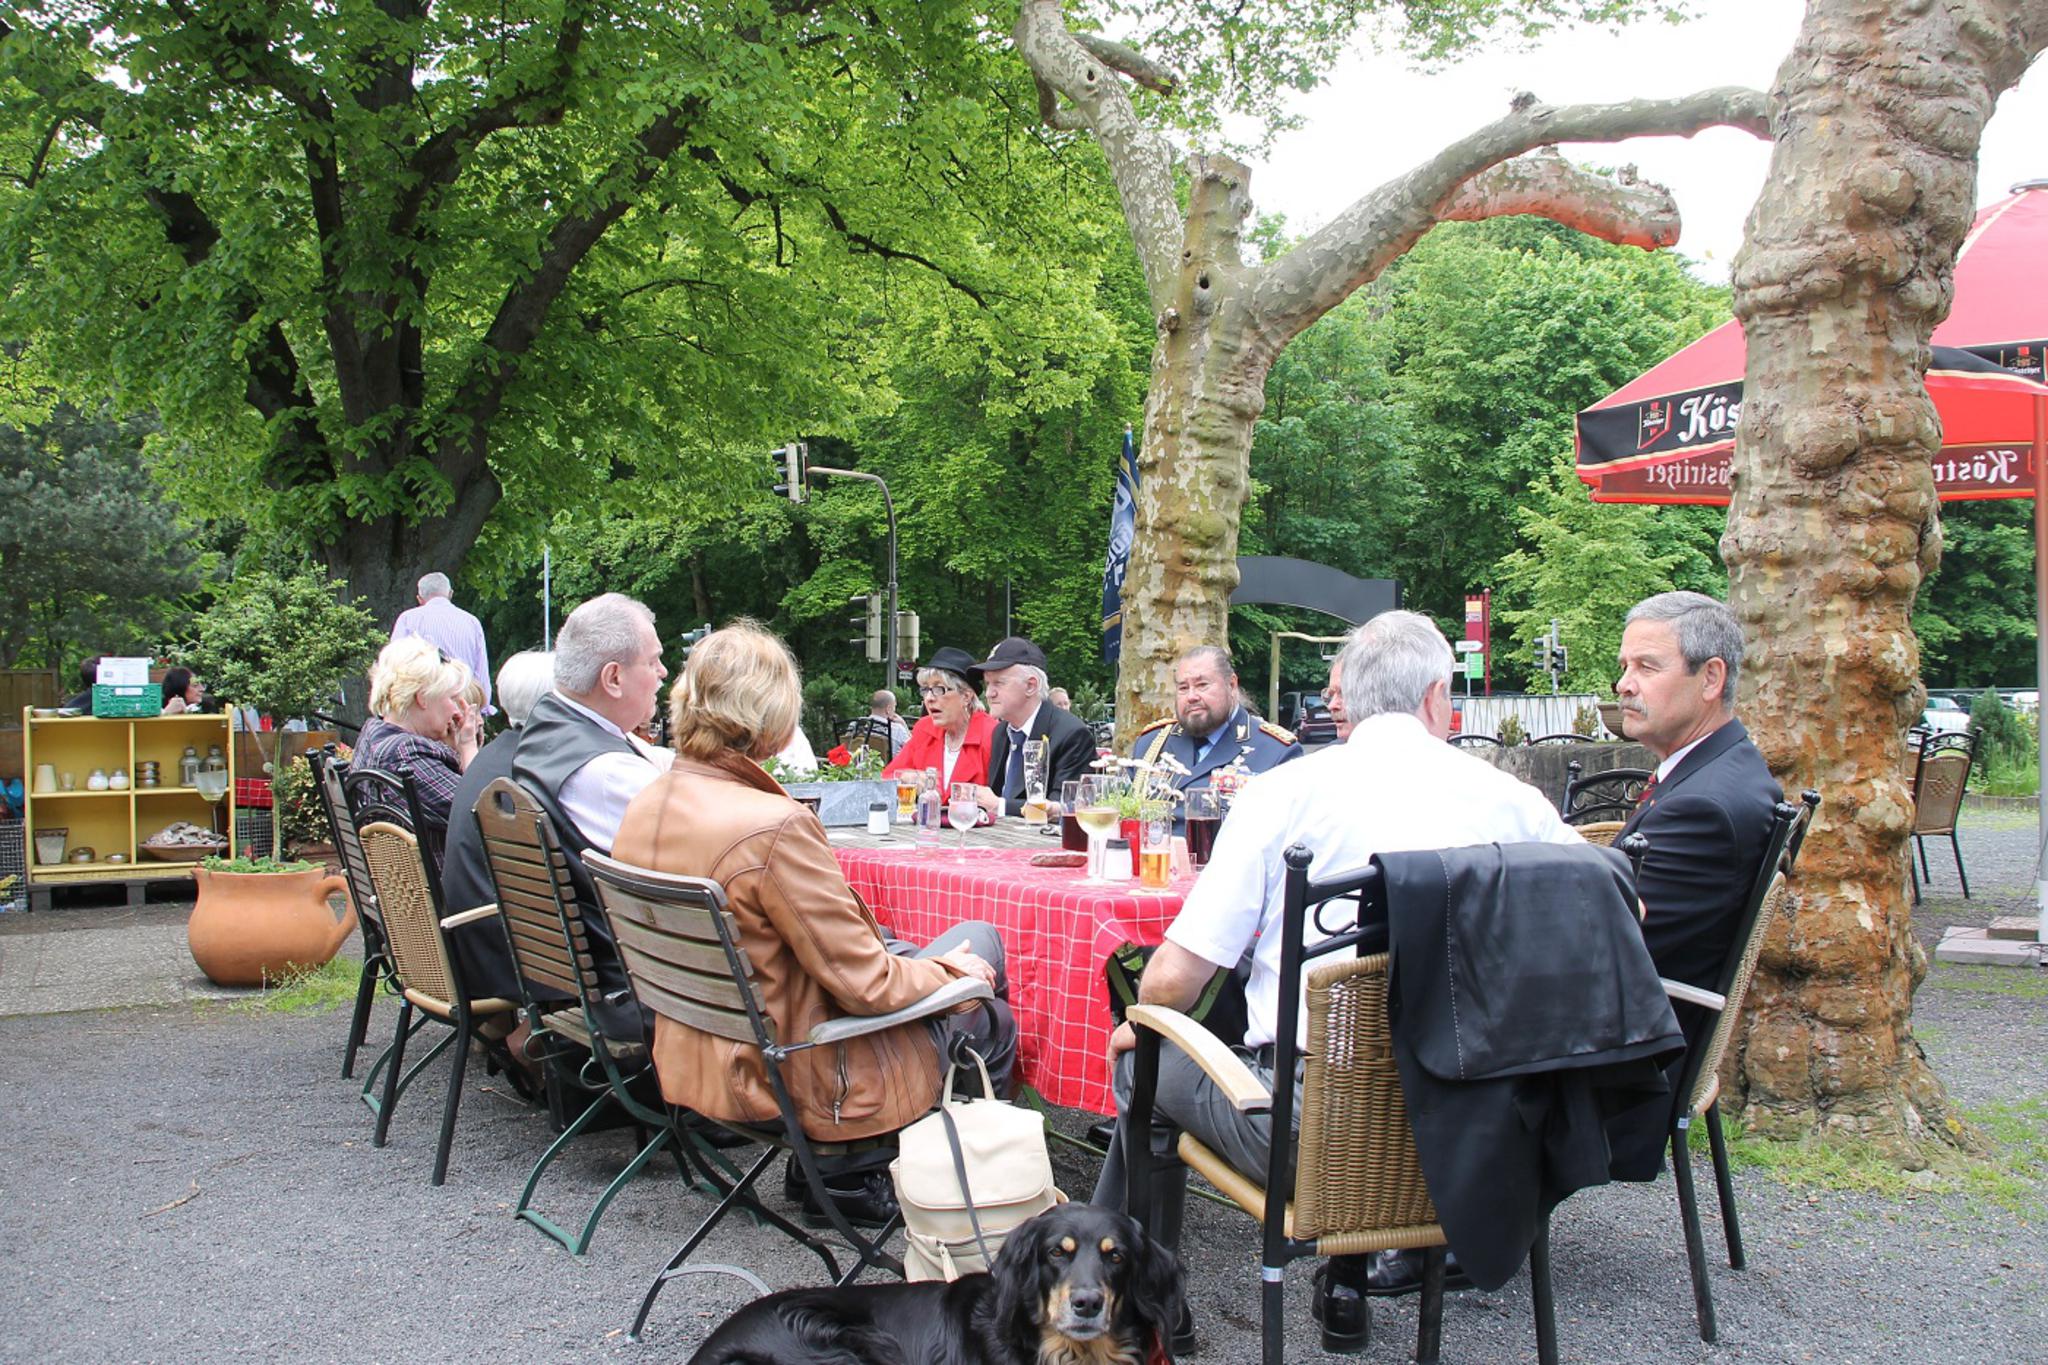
x,y
965,1176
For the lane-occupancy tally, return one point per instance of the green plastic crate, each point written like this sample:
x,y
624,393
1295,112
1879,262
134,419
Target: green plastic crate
x,y
127,701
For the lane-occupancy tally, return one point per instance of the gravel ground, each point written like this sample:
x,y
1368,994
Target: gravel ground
x,y
196,1181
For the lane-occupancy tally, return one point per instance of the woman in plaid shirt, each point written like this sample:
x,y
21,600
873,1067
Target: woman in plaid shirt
x,y
428,711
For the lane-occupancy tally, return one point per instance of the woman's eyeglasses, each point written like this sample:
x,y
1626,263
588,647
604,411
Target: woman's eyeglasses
x,y
933,691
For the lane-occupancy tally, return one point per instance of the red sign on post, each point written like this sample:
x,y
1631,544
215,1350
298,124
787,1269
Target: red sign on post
x,y
1479,626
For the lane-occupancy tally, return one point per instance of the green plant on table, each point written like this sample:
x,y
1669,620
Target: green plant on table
x,y
257,866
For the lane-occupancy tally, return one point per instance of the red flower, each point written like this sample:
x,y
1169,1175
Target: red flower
x,y
839,756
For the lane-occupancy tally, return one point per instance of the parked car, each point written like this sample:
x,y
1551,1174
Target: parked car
x,y
2026,703
1315,724
1943,713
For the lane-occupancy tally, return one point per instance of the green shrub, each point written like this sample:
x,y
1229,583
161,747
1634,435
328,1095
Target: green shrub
x,y
1513,732
2001,735
253,865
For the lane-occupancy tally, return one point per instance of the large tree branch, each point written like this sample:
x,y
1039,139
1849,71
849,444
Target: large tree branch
x,y
523,310
1139,161
1365,238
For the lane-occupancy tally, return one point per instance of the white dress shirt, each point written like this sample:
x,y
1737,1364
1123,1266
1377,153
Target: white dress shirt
x,y
1393,787
597,794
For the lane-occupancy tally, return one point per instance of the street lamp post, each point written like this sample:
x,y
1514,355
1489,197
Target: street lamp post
x,y
889,510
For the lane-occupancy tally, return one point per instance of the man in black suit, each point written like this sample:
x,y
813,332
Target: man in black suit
x,y
1707,813
1014,682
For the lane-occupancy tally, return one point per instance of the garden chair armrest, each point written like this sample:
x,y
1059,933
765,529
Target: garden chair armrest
x,y
944,1000
1693,995
1206,1051
470,916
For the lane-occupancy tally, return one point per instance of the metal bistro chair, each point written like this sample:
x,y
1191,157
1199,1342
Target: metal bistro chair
x,y
1699,1081
1463,741
543,922
683,956
1939,776
426,976
871,733
327,773
1598,806
1354,1183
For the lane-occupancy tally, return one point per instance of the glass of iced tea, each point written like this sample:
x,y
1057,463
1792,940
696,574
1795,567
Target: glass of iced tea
x,y
1204,817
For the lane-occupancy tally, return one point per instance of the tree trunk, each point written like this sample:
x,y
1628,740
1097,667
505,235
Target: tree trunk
x,y
1194,465
1845,272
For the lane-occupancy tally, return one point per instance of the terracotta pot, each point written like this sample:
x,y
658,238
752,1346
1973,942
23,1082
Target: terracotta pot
x,y
252,928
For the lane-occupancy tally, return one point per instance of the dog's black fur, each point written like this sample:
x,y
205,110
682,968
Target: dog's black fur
x,y
1074,1269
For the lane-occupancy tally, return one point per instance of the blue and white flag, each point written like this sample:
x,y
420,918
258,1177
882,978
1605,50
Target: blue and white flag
x,y
1123,527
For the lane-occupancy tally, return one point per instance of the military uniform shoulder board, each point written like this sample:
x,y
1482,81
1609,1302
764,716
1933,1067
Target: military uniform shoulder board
x,y
1163,720
1279,732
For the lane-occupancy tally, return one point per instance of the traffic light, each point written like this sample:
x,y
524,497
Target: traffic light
x,y
789,467
906,635
1558,660
692,638
875,607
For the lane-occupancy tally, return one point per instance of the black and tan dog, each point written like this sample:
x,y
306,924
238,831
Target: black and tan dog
x,y
1077,1285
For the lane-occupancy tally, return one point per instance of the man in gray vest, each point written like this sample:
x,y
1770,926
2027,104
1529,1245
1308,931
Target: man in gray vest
x,y
579,756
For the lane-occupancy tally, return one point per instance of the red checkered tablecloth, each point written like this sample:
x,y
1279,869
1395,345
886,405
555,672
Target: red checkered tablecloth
x,y
1057,932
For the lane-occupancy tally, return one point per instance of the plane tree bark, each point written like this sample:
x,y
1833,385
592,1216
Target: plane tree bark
x,y
1221,320
1846,270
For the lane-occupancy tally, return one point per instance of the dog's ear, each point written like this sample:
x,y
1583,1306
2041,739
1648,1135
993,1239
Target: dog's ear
x,y
1019,1273
1155,1290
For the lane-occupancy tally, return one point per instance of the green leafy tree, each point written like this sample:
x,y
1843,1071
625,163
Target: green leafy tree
x,y
416,278
282,643
94,559
1974,616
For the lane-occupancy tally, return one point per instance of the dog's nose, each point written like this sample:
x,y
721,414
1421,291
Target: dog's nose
x,y
1086,1303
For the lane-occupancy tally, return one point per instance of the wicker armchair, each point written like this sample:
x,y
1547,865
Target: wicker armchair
x,y
1940,771
683,957
1699,1082
327,771
426,975
1355,1182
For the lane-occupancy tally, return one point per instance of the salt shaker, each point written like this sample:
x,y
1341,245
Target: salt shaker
x,y
1116,860
878,817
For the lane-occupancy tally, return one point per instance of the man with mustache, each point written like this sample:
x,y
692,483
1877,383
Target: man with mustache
x,y
1707,812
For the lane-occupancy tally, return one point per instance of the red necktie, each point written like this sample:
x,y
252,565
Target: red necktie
x,y
1648,787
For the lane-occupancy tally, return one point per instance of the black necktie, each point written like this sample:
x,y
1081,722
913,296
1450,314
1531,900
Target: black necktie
x,y
1013,772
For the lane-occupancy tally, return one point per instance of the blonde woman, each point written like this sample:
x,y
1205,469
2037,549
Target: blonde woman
x,y
817,951
427,712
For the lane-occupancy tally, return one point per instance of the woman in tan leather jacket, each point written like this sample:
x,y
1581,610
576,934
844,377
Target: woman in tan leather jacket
x,y
817,950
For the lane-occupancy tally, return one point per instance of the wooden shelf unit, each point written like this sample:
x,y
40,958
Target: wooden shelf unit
x,y
117,821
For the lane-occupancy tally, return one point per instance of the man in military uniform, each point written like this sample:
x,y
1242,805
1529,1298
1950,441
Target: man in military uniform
x,y
1212,731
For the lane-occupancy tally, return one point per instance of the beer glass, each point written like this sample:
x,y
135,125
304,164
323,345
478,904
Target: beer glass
x,y
906,796
1155,846
1072,838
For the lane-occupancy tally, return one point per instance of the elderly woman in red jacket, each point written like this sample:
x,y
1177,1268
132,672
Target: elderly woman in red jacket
x,y
955,734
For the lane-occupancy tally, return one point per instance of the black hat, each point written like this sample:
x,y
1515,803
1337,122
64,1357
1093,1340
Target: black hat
x,y
1012,652
956,661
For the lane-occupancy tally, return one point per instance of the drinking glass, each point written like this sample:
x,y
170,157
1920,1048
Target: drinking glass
x,y
1155,846
1035,751
1098,817
963,811
1204,817
906,796
1071,837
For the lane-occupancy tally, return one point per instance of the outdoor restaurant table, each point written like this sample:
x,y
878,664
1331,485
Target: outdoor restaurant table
x,y
1057,932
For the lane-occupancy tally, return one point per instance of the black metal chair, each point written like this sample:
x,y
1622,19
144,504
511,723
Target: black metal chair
x,y
1352,1183
1571,737
683,956
328,768
1939,776
1611,794
425,974
871,733
1463,741
1699,1081
543,924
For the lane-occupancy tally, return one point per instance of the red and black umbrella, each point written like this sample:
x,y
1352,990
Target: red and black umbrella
x,y
1668,435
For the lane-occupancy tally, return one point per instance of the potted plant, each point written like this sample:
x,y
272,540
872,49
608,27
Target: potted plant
x,y
255,919
282,643
842,788
302,830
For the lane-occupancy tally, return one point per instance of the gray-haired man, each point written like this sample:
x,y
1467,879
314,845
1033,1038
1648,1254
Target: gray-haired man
x,y
448,628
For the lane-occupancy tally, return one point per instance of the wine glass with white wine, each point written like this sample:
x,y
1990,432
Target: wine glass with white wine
x,y
1097,814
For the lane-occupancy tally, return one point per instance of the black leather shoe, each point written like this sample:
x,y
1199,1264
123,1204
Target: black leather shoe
x,y
867,1201
1342,1313
1182,1342
1394,1273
